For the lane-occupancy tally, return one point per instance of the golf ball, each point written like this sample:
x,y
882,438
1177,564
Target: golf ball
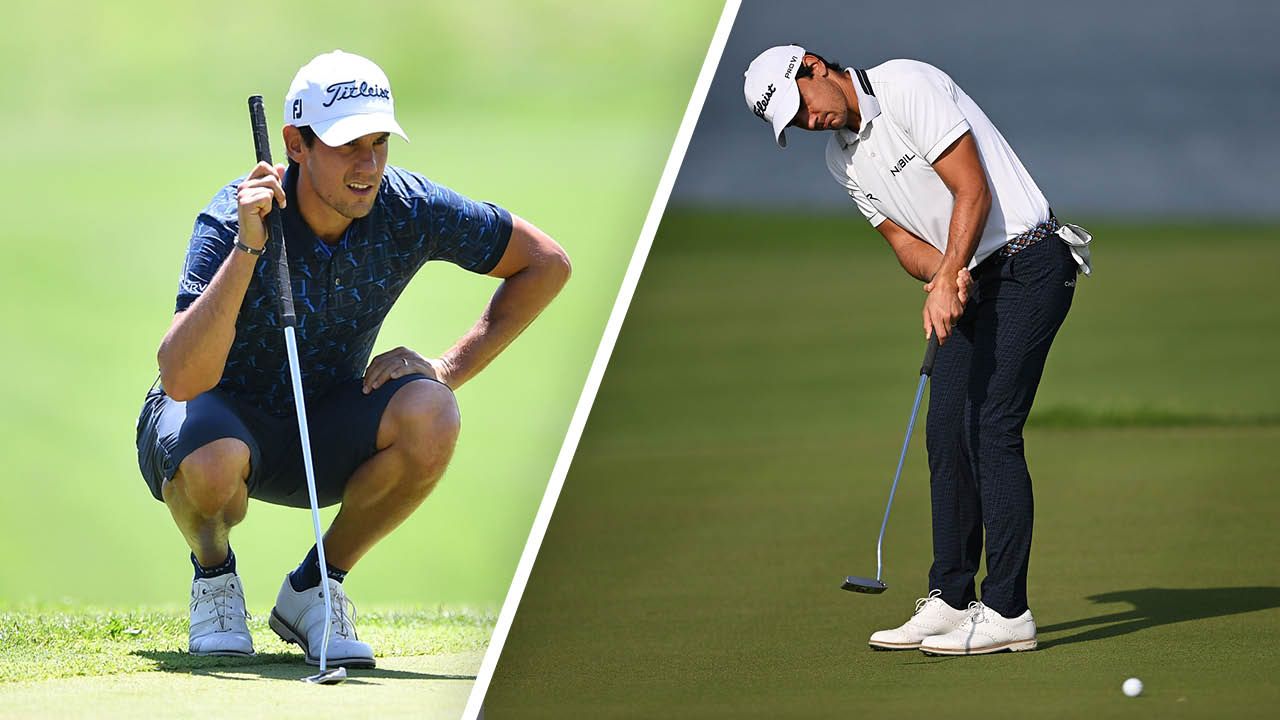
x,y
1132,687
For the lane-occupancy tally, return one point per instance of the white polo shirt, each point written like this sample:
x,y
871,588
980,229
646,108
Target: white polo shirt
x,y
911,113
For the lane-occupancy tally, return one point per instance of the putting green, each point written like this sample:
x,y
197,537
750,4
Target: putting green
x,y
401,687
738,457
62,660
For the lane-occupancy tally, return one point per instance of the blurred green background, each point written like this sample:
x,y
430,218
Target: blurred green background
x,y
122,120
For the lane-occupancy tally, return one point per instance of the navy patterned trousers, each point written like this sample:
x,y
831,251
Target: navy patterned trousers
x,y
983,384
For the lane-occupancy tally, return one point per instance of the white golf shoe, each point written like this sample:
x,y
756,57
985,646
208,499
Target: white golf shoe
x,y
218,618
933,616
984,631
298,617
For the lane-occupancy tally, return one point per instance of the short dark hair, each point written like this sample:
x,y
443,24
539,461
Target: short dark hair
x,y
308,139
807,70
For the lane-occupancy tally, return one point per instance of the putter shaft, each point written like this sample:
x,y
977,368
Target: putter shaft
x,y
284,301
906,442
865,585
295,372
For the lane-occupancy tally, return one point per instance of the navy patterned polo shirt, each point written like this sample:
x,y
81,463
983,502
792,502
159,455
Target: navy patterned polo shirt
x,y
341,292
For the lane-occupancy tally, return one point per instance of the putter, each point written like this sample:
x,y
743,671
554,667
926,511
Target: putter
x,y
853,583
284,299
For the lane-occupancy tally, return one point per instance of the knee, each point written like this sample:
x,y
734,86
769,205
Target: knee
x,y
423,421
943,432
213,476
1000,438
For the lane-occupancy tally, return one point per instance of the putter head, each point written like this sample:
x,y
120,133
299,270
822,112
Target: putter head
x,y
332,676
856,584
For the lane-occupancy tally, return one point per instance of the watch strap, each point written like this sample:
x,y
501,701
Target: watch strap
x,y
256,252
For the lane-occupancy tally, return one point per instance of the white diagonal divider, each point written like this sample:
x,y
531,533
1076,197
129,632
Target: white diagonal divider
x,y
475,702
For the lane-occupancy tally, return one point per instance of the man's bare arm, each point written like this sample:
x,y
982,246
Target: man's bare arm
x,y
920,259
533,269
960,168
194,351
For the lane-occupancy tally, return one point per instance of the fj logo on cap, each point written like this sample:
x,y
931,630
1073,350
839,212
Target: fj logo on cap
x,y
297,109
348,89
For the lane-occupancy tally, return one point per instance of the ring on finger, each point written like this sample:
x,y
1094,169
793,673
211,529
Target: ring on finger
x,y
405,361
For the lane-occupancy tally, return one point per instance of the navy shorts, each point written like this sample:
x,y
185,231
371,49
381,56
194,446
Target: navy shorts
x,y
343,426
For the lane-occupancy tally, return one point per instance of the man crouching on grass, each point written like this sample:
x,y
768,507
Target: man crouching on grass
x,y
220,426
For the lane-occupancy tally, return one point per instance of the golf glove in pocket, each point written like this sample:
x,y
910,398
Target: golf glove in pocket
x,y
1077,239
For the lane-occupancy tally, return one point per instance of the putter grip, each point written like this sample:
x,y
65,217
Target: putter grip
x,y
930,353
275,229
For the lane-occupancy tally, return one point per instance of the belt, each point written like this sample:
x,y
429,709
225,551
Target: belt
x,y
1030,237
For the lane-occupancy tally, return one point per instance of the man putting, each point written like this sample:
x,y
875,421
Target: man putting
x,y
220,427
934,176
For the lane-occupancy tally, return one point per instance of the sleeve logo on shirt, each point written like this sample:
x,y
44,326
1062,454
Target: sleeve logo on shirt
x,y
192,287
348,89
902,162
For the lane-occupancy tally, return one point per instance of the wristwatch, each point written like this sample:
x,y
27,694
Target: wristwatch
x,y
256,252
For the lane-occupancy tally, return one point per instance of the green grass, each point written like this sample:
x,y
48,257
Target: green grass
x,y
434,687
133,115
68,660
738,457
43,642
1065,416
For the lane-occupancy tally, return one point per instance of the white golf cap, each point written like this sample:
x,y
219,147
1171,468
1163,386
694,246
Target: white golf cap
x,y
341,97
770,87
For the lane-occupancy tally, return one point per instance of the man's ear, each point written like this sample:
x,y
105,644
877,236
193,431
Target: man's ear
x,y
293,144
819,68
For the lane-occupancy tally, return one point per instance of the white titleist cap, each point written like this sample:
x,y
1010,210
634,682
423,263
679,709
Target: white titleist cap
x,y
770,87
341,97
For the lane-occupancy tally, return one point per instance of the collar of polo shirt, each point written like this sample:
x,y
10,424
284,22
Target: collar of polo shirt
x,y
868,108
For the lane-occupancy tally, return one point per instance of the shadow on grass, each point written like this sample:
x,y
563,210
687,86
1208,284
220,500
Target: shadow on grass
x,y
1153,607
278,666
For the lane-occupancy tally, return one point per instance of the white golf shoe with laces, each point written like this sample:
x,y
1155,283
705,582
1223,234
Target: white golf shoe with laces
x,y
298,618
218,619
984,631
933,616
